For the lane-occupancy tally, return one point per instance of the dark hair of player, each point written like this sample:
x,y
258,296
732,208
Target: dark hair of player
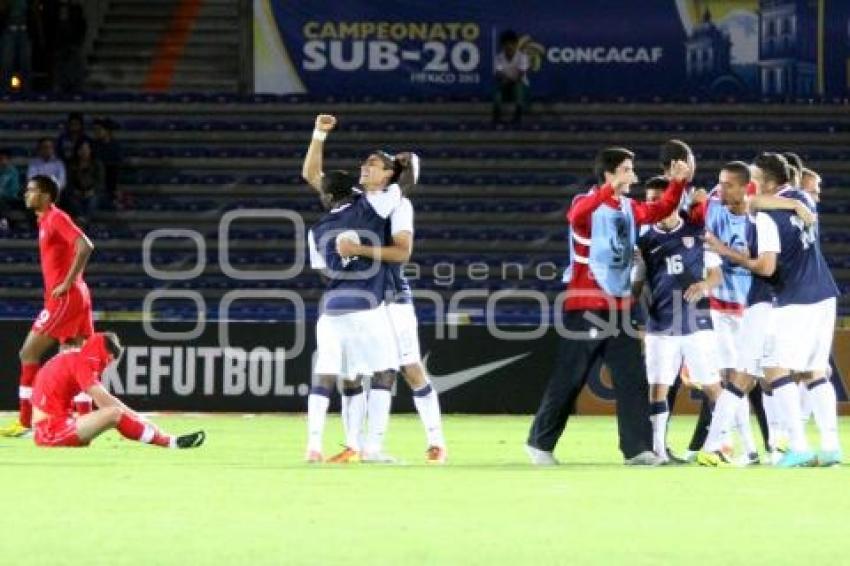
x,y
774,166
608,159
674,150
113,345
403,173
658,183
337,186
46,185
794,161
739,169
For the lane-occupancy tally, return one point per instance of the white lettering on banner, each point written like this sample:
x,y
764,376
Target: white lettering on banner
x,y
442,62
258,372
158,368
135,369
604,55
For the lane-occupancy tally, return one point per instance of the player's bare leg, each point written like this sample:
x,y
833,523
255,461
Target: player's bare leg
x,y
97,422
317,410
428,406
32,351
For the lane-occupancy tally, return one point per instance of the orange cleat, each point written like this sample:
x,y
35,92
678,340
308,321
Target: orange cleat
x,y
435,455
347,456
314,457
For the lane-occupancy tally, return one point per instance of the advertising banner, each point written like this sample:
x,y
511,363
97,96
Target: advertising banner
x,y
744,48
266,367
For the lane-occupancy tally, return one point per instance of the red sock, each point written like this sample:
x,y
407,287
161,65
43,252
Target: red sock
x,y
134,429
26,380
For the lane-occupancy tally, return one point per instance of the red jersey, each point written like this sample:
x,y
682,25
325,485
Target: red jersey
x,y
57,237
67,374
588,294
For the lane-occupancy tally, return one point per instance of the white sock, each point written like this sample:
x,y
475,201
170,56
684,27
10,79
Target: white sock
x,y
317,411
721,420
806,405
355,412
787,398
378,414
824,405
742,423
659,433
774,422
428,406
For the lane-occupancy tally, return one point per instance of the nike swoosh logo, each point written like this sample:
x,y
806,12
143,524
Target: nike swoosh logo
x,y
449,381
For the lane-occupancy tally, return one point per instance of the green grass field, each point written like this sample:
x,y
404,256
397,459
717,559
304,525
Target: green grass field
x,y
246,498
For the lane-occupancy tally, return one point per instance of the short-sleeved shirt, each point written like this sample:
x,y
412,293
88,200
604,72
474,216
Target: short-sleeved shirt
x,y
401,220
62,377
57,237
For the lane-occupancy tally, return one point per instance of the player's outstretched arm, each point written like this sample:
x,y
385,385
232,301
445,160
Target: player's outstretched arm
x,y
311,171
83,248
773,202
764,264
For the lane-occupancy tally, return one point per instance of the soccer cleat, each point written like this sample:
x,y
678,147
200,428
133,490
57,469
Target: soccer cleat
x,y
347,456
314,457
435,455
645,458
715,459
15,430
792,459
827,458
751,459
191,440
540,457
377,458
674,460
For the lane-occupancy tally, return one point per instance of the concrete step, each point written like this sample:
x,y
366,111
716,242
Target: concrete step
x,y
199,26
143,11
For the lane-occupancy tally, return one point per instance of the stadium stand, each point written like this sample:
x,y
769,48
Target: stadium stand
x,y
490,194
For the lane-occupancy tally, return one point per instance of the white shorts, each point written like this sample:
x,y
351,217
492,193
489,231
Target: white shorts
x,y
727,332
358,343
406,329
755,326
666,354
801,336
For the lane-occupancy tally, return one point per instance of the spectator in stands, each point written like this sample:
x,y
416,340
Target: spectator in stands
x,y
19,28
811,184
109,152
86,184
71,137
46,163
10,189
70,70
511,73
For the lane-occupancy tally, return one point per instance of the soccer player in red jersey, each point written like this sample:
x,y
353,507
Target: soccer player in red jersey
x,y
66,318
75,370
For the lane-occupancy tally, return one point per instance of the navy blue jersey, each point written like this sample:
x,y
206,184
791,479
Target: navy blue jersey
x,y
674,260
762,288
356,283
804,277
398,288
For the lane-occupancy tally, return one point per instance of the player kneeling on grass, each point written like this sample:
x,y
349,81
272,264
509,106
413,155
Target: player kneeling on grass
x,y
75,371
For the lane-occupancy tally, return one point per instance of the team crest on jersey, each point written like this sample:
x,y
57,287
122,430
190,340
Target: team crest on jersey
x,y
688,241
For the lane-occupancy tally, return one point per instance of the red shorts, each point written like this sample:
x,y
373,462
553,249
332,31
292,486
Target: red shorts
x,y
67,316
57,431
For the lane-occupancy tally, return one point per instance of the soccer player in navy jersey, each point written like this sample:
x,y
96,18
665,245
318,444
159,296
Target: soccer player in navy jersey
x,y
680,274
801,324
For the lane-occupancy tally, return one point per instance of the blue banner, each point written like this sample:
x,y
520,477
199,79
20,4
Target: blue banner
x,y
740,48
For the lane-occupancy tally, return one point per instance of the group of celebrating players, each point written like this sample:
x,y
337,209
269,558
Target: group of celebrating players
x,y
739,304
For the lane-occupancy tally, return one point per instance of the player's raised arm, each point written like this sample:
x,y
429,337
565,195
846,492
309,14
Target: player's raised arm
x,y
311,171
83,249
